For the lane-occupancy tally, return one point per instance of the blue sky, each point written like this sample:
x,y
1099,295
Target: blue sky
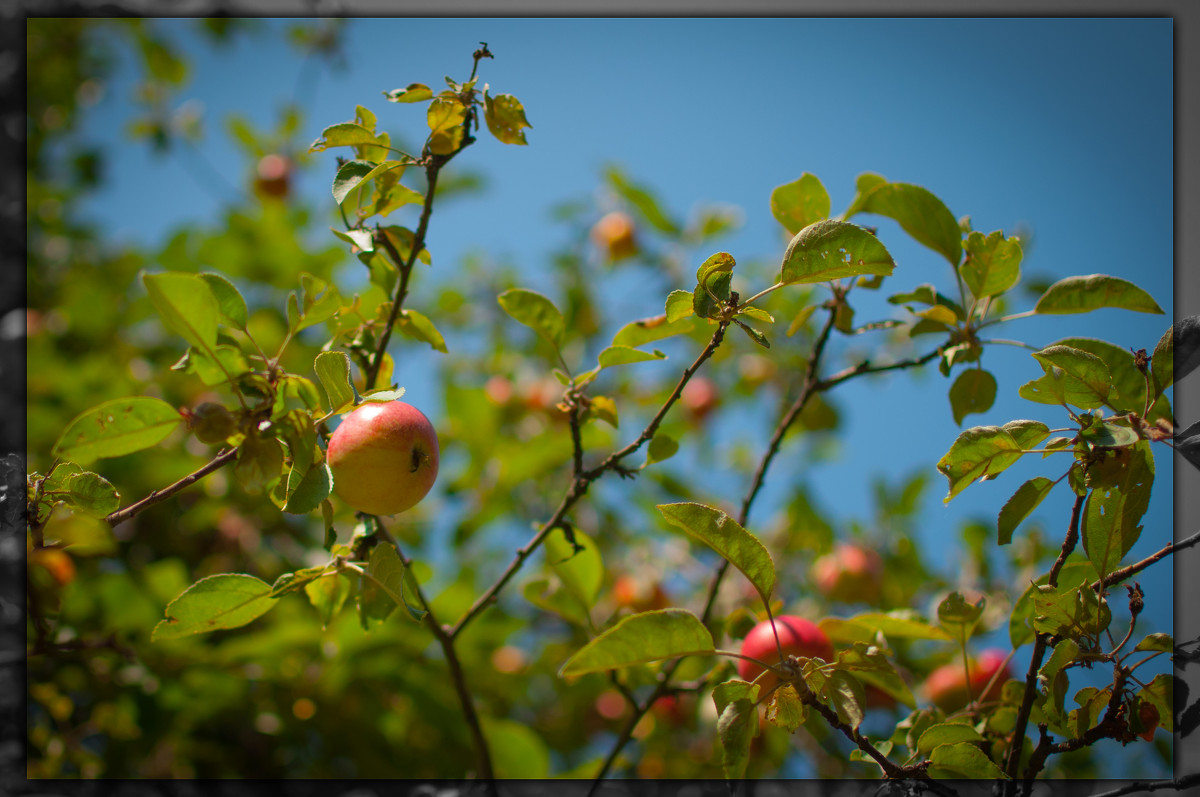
x,y
1064,125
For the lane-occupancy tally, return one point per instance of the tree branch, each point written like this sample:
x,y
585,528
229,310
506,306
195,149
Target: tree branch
x,y
1117,576
158,496
1039,651
580,484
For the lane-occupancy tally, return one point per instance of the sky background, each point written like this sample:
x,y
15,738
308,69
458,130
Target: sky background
x,y
1063,126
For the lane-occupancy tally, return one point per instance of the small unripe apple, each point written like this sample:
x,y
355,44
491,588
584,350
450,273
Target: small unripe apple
x,y
273,176
797,637
947,685
850,574
614,235
383,457
211,422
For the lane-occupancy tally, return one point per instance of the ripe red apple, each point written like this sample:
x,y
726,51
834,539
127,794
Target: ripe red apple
x,y
797,637
273,176
850,574
615,236
947,685
384,457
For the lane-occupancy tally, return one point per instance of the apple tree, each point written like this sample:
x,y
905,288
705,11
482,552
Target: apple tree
x,y
205,600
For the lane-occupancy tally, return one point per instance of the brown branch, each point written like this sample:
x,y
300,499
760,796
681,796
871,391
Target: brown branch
x,y
865,367
432,169
446,641
1117,576
580,484
1039,651
158,496
1112,726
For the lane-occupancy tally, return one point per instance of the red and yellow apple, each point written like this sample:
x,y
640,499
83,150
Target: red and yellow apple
x,y
947,685
615,236
797,637
383,457
849,574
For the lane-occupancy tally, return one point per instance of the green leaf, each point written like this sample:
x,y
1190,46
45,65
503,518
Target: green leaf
x,y
294,582
505,117
259,462
580,571
1027,433
186,305
231,307
847,695
327,595
641,638
977,452
1119,498
1161,693
959,618
349,176
1076,571
605,409
946,733
1162,362
213,604
737,724
115,428
364,240
662,447
833,249
801,318
1128,391
536,312
346,134
786,710
418,327
646,330
1072,376
92,494
333,372
414,92
216,366
993,264
1065,652
306,491
445,117
1163,643
386,585
798,204
719,531
963,760
624,355
757,314
1017,508
974,391
921,214
679,306
754,334
382,395
1084,294
1070,611
516,750
900,624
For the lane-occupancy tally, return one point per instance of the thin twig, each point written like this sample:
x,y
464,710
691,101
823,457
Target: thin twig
x,y
446,640
158,496
580,484
1039,651
1117,576
1179,784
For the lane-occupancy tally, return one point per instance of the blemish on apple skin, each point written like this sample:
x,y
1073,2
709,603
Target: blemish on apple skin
x,y
416,460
